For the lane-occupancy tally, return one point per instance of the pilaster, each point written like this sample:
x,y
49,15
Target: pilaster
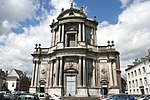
x,y
80,72
83,29
56,72
60,71
84,72
62,36
94,71
79,32
33,74
51,73
48,73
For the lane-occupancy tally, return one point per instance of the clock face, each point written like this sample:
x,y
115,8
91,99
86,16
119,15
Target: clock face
x,y
43,71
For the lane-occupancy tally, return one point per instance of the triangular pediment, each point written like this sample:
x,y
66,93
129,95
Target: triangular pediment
x,y
71,13
15,73
71,29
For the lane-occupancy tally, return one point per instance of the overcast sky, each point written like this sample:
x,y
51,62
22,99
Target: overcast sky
x,y
23,23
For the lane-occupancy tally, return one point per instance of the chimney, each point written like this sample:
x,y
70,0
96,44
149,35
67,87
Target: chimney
x,y
6,72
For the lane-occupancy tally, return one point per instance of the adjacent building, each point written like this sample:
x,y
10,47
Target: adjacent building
x,y
17,80
74,64
138,76
2,79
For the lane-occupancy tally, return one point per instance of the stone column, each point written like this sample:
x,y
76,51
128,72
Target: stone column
x,y
95,38
53,37
94,71
60,72
47,75
79,75
56,72
52,41
84,72
83,26
111,74
50,73
59,34
92,38
33,74
79,32
36,74
115,73
62,36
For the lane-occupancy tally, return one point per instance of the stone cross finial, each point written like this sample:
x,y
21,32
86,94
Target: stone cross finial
x,y
71,5
36,46
62,9
53,21
108,43
81,8
94,18
39,46
112,42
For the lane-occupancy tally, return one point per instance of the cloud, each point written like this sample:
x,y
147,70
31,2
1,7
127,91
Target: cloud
x,y
125,3
16,48
13,11
131,33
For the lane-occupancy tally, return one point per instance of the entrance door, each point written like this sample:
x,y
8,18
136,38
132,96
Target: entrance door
x,y
42,88
70,85
142,91
104,91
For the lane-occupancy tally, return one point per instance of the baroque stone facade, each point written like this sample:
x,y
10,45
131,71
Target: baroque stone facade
x,y
74,64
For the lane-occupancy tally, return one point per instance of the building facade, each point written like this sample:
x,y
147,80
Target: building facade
x,y
2,79
74,64
138,76
17,80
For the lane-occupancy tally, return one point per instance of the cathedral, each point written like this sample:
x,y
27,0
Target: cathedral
x,y
74,65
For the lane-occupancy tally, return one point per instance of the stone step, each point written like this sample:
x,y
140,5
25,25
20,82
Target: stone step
x,y
80,98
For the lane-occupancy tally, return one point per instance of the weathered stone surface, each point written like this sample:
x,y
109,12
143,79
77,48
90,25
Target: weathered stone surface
x,y
74,64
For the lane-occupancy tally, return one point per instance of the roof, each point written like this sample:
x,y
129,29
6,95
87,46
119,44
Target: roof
x,y
15,73
19,72
142,60
72,11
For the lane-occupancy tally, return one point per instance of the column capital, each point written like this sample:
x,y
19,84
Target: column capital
x,y
61,57
57,58
84,57
50,61
80,57
39,62
34,61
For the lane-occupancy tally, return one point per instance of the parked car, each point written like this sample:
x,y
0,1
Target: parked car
x,y
9,96
144,97
120,97
28,97
55,97
136,96
147,98
43,96
1,96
